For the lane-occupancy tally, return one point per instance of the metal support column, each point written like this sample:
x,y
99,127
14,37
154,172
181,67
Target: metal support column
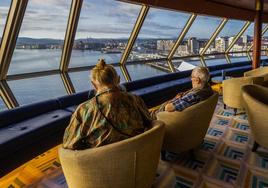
x,y
244,28
10,34
7,95
132,39
67,83
181,36
214,35
70,34
227,58
257,35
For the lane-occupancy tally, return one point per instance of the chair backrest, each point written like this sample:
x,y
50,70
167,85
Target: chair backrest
x,y
232,90
261,71
186,129
255,100
129,163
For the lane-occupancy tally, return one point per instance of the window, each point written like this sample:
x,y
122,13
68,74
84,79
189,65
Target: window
x,y
158,34
103,31
37,89
245,41
81,80
41,36
264,39
226,35
4,7
198,35
216,60
140,71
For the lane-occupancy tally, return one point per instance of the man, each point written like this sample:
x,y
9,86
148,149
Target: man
x,y
200,91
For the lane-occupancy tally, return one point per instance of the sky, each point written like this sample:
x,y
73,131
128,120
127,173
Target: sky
x,y
111,19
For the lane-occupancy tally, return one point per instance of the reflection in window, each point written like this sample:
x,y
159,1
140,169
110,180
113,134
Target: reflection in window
x,y
198,35
81,80
103,31
158,34
37,89
41,36
2,105
140,71
4,7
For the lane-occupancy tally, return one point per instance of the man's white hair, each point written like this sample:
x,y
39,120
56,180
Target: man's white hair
x,y
202,73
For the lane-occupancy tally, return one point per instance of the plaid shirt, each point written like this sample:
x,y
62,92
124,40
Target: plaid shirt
x,y
187,100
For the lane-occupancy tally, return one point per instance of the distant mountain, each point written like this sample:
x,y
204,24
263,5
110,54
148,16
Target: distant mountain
x,y
43,41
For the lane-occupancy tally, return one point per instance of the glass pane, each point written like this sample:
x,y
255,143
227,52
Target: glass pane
x,y
37,89
215,60
103,31
245,41
41,36
4,7
2,105
264,39
81,79
140,71
198,35
158,34
224,38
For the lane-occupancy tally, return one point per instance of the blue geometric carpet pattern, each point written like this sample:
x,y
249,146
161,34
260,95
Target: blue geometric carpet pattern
x,y
224,159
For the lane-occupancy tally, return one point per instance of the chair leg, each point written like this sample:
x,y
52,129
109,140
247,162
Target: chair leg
x,y
224,106
235,111
163,155
255,146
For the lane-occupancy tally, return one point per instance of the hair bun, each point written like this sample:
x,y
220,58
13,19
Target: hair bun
x,y
101,64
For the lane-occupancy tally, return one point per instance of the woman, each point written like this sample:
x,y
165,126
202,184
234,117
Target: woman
x,y
112,115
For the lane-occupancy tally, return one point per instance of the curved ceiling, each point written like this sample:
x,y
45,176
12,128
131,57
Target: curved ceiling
x,y
233,9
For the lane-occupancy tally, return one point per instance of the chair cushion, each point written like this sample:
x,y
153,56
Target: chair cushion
x,y
36,129
74,99
19,114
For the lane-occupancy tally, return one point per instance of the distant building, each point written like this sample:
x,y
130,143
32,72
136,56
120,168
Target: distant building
x,y
221,44
193,45
182,50
165,45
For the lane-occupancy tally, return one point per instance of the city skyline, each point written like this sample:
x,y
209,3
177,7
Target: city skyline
x,y
112,19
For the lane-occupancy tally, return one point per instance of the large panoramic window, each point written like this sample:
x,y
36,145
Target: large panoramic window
x,y
33,90
225,37
41,36
81,80
4,7
245,41
103,31
158,34
198,35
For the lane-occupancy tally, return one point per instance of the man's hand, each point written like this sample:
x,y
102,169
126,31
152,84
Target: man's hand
x,y
170,107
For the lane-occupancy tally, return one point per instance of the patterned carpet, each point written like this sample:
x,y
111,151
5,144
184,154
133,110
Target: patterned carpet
x,y
223,160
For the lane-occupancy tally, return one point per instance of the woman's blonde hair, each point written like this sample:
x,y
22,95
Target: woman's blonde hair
x,y
105,74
